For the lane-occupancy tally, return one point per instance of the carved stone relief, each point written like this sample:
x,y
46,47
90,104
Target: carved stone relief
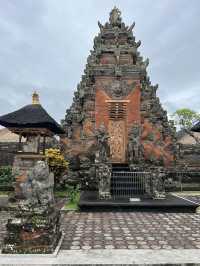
x,y
104,176
117,140
117,89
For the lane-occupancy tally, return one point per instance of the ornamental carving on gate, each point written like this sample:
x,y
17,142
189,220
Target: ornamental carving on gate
x,y
117,140
117,88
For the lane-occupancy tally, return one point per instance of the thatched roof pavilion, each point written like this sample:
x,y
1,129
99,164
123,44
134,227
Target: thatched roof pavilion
x,y
31,117
32,122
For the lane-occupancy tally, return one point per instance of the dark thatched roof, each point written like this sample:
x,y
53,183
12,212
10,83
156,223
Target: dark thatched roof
x,y
196,127
31,116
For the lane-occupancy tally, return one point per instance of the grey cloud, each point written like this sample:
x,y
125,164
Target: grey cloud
x,y
44,46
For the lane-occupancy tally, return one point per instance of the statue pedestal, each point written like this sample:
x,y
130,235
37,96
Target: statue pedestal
x,y
35,227
103,171
23,163
33,233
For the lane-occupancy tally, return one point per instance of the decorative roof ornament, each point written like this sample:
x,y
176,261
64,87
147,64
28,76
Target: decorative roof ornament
x,y
131,27
115,17
35,98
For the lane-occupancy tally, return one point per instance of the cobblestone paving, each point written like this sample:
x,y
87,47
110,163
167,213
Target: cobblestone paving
x,y
131,230
126,230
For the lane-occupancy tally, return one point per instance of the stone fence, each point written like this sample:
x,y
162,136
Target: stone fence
x,y
7,151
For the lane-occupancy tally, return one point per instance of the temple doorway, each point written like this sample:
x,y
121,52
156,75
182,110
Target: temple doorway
x,y
117,130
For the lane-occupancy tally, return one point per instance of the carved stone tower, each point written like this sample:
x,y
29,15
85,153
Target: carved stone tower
x,y
115,92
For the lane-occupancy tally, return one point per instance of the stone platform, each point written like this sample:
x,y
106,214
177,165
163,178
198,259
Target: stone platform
x,y
172,203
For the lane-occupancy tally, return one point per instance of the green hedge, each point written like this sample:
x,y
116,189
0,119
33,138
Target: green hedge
x,y
6,178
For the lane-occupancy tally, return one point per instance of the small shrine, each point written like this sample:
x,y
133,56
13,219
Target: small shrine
x,y
36,225
34,124
118,141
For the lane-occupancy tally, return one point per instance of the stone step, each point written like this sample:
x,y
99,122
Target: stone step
x,y
121,170
126,188
125,179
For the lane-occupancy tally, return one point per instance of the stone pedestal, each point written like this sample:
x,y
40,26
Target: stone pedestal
x,y
103,171
35,227
33,233
23,163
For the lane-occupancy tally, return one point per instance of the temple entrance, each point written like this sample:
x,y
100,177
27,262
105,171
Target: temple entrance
x,y
117,133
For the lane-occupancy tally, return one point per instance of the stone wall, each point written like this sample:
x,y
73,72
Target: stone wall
x,y
189,156
7,151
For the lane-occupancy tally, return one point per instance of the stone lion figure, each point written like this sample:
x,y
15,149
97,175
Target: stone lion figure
x,y
38,189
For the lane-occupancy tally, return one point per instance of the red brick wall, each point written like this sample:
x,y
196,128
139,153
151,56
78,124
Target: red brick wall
x,y
101,110
133,107
154,145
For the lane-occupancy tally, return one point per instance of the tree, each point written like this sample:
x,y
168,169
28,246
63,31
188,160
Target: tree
x,y
185,118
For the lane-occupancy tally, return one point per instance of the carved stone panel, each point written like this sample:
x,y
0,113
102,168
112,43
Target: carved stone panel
x,y
117,134
117,89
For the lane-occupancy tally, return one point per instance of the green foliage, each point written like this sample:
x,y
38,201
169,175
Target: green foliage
x,y
61,193
185,118
73,193
71,206
6,176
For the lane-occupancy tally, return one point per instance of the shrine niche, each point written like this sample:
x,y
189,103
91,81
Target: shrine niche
x,y
115,91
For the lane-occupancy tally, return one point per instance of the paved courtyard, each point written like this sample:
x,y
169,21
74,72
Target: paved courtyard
x,y
131,230
126,230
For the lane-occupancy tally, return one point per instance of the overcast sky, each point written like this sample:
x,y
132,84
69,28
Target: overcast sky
x,y
44,45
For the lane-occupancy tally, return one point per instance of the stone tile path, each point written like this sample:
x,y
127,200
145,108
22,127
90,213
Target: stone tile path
x,y
131,230
126,230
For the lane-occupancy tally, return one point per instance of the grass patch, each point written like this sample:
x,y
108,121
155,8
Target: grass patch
x,y
5,193
72,205
61,193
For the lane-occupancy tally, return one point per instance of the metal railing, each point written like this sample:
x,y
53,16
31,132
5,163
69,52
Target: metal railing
x,y
128,184
180,177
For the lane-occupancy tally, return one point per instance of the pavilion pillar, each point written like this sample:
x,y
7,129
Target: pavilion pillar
x,y
44,145
20,142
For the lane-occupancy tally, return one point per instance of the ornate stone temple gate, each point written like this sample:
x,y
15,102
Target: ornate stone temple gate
x,y
116,113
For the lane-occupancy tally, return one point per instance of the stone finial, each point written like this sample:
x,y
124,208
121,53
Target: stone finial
x,y
131,27
115,17
100,26
35,98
